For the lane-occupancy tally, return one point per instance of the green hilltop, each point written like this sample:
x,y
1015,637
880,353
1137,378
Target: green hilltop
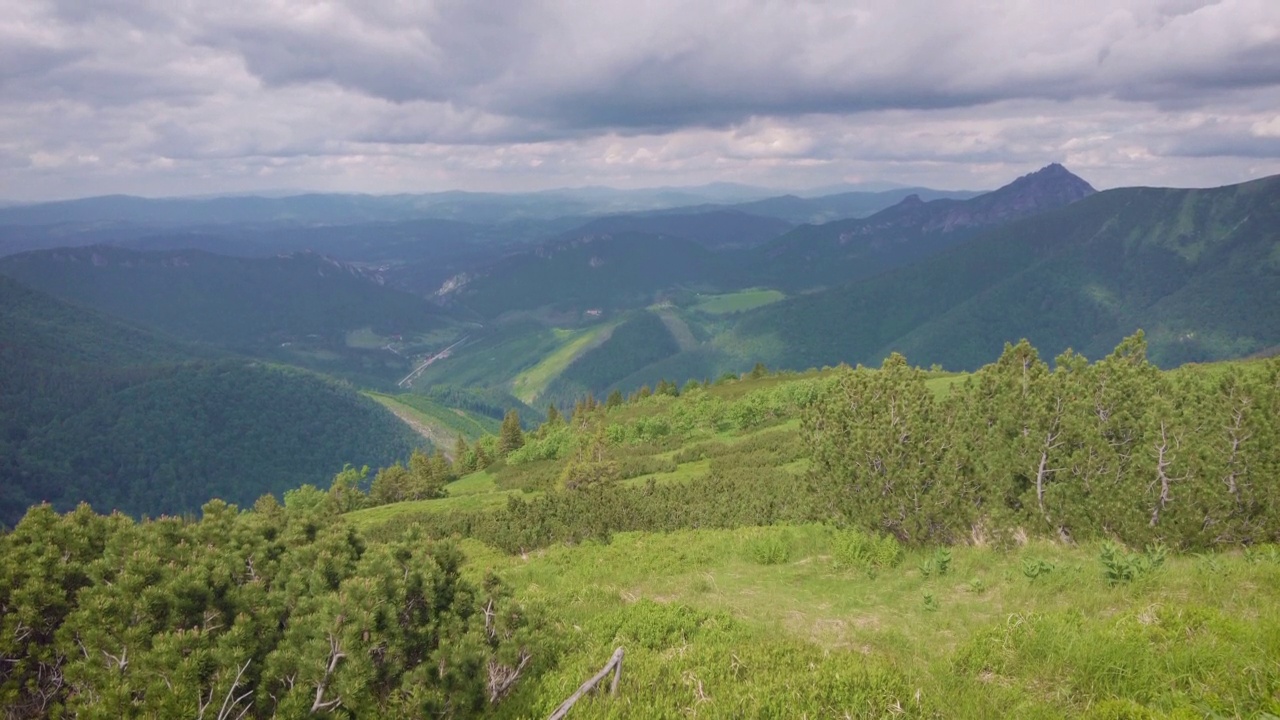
x,y
849,542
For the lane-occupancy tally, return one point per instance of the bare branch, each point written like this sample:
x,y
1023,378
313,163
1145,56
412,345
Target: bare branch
x,y
335,655
228,705
615,663
503,677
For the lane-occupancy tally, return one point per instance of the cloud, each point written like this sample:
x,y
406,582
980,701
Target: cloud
x,y
382,94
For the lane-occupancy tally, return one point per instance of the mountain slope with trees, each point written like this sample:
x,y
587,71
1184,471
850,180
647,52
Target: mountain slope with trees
x,y
1197,268
99,411
296,308
588,271
846,251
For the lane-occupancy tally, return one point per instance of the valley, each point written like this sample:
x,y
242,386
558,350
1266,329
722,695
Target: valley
x,y
866,454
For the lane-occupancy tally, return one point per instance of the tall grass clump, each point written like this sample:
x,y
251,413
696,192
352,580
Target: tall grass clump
x,y
856,549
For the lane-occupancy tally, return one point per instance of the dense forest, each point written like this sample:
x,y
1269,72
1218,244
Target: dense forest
x,y
98,411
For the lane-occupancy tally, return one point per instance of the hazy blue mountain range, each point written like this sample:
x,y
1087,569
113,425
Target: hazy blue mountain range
x,y
632,261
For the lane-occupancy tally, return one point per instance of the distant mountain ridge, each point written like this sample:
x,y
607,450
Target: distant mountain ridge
x,y
714,229
630,261
848,250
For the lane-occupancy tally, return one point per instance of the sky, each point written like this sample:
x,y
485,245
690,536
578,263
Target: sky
x,y
193,97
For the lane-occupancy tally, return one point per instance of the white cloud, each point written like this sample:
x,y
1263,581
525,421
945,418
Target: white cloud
x,y
383,95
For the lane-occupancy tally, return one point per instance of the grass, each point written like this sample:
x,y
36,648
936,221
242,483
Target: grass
x,y
366,339
678,328
736,301
442,425
476,491
684,471
941,385
531,383
711,630
381,515
789,621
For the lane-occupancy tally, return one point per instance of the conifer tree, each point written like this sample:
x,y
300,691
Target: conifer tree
x,y
345,493
591,465
510,437
877,445
464,460
390,485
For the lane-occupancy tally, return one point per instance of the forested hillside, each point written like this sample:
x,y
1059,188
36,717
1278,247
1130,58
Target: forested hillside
x,y
1196,268
297,308
96,410
606,271
848,251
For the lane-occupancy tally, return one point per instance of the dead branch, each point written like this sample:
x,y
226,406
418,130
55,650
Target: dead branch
x,y
503,677
335,655
1162,476
615,664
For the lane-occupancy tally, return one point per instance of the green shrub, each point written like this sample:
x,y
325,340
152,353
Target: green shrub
x,y
938,564
1036,567
1121,567
770,548
853,548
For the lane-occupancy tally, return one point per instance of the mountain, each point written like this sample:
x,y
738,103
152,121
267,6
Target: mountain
x,y
94,409
838,206
301,307
1199,270
849,250
348,208
591,272
714,229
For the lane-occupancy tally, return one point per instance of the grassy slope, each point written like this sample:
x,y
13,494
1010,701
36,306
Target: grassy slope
x,y
710,630
737,301
778,621
531,383
435,422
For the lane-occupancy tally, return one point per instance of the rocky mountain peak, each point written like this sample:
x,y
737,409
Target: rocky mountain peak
x,y
1050,186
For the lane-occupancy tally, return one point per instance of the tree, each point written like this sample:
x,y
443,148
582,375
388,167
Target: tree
x,y
591,465
464,460
554,417
879,455
510,437
426,481
345,493
390,485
